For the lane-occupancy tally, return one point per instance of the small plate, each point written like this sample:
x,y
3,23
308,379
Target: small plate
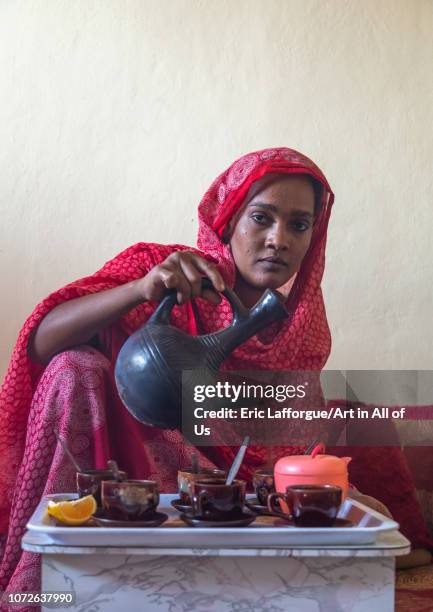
x,y
180,506
154,521
242,521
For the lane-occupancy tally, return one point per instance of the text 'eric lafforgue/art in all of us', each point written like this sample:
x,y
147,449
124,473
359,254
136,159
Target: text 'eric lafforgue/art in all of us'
x,y
228,392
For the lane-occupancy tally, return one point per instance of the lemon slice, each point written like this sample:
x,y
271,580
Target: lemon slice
x,y
53,509
74,512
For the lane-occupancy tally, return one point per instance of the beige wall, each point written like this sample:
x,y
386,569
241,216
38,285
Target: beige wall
x,y
116,115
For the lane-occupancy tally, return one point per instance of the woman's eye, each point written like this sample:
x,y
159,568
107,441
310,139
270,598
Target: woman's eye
x,y
259,218
301,226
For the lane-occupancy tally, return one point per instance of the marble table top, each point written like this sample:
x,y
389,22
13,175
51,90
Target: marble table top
x,y
389,544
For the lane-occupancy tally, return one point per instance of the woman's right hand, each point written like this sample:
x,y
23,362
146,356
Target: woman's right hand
x,y
183,271
79,320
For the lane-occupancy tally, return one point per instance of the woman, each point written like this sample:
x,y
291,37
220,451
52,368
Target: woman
x,y
262,223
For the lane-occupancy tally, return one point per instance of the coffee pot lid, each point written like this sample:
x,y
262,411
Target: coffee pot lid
x,y
312,465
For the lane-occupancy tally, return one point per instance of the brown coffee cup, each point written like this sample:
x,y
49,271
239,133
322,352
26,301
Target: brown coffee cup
x,y
186,475
309,505
263,484
214,500
89,482
129,500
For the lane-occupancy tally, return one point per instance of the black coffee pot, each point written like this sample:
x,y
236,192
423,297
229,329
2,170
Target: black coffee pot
x,y
149,366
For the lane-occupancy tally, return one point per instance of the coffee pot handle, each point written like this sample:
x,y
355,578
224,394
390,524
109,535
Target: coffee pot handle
x,y
161,316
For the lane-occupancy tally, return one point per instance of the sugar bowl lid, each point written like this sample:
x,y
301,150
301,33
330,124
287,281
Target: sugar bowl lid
x,y
312,465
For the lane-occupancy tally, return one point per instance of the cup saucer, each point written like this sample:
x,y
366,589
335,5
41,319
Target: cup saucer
x,y
254,505
154,520
195,521
181,506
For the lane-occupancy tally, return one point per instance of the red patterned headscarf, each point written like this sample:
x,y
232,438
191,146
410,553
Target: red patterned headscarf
x,y
303,342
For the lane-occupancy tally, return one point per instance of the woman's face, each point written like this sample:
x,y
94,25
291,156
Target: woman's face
x,y
271,235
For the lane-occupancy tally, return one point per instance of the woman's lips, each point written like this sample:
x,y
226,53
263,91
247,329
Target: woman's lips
x,y
273,263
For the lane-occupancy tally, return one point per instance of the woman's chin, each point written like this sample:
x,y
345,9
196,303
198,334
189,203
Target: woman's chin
x,y
255,285
270,282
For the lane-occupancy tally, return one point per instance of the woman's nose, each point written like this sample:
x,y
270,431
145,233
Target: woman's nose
x,y
278,238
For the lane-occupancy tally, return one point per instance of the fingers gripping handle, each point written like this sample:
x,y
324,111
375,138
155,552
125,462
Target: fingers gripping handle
x,y
162,313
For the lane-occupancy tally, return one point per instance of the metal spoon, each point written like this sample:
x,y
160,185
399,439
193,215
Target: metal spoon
x,y
237,461
311,446
67,452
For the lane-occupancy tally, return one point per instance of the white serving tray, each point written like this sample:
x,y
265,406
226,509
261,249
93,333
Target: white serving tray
x,y
264,532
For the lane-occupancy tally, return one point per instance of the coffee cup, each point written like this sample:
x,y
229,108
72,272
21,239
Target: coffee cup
x,y
129,500
308,505
186,475
263,484
89,482
214,500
